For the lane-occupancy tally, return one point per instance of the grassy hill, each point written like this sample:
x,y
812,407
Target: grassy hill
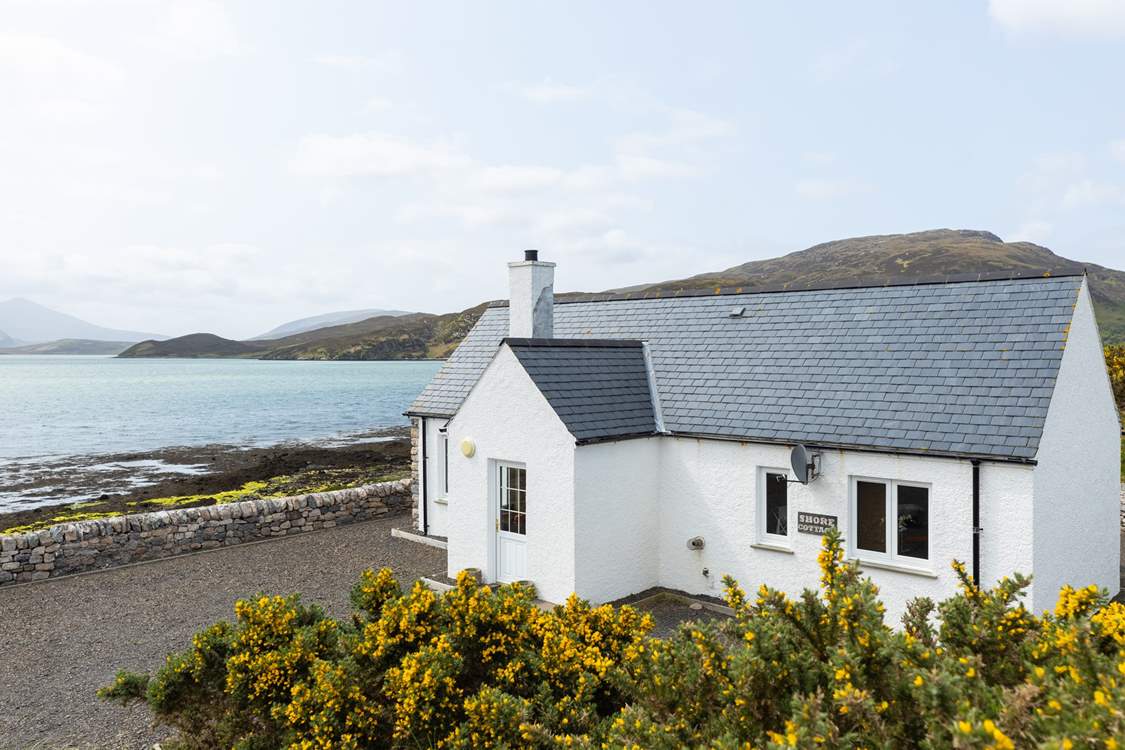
x,y
413,336
920,256
192,345
860,261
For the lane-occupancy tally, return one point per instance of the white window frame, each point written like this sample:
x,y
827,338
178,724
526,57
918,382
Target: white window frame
x,y
763,537
443,464
891,556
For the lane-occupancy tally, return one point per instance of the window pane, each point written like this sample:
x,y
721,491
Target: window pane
x,y
522,523
505,521
913,521
777,504
871,516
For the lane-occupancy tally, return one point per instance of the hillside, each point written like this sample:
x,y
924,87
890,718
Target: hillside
x,y
920,256
7,341
70,346
33,323
192,345
899,258
410,336
326,320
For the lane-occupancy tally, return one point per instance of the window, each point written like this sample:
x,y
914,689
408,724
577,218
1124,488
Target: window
x,y
513,499
443,458
773,506
907,539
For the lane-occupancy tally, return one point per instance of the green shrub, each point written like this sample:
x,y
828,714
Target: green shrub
x,y
476,668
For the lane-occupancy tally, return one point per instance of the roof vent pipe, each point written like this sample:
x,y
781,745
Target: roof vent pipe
x,y
531,303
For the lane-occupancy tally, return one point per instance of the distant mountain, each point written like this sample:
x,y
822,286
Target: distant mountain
x,y
193,345
860,261
33,323
921,256
324,321
7,341
410,336
70,346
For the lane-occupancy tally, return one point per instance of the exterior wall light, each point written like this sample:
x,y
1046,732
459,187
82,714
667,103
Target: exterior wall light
x,y
468,448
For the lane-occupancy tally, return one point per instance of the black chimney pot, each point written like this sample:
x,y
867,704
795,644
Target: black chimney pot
x,y
531,255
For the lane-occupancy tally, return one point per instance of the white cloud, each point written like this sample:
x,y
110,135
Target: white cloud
x,y
43,55
1092,193
372,154
377,104
1036,231
642,167
552,93
387,62
195,30
1090,18
515,177
1117,148
829,189
686,127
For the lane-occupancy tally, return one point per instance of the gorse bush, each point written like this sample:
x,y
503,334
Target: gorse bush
x,y
476,668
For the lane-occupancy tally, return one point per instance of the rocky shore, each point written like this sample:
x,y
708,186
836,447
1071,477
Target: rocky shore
x,y
101,486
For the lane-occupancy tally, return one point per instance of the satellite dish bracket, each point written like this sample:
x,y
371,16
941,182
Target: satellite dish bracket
x,y
805,463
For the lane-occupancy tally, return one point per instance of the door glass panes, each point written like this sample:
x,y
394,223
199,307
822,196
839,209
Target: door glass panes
x,y
913,521
871,516
513,500
777,504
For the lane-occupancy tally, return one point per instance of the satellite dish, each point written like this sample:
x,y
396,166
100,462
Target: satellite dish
x,y
806,465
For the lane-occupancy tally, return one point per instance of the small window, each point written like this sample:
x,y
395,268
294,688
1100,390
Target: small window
x,y
773,507
875,503
443,457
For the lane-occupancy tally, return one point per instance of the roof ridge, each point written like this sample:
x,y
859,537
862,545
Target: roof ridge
x,y
583,343
725,291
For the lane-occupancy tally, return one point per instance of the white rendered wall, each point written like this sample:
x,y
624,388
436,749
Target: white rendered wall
x,y
616,518
431,475
1077,499
509,420
710,488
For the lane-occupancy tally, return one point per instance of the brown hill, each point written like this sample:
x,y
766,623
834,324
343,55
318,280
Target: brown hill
x,y
859,261
903,258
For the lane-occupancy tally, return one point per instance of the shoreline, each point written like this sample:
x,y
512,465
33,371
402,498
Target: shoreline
x,y
105,485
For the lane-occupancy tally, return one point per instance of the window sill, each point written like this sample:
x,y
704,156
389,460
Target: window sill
x,y
896,567
772,547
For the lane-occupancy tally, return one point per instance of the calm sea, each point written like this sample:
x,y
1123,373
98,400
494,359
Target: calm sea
x,y
55,406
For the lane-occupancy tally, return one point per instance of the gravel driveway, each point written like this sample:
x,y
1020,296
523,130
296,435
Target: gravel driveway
x,y
66,637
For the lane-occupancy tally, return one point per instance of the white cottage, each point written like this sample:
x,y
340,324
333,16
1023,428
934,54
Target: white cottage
x,y
610,446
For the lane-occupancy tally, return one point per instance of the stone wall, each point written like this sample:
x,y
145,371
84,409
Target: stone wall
x,y
415,467
104,543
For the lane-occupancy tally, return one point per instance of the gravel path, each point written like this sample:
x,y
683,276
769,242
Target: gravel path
x,y
66,637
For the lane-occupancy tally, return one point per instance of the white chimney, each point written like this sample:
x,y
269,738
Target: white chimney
x,y
531,307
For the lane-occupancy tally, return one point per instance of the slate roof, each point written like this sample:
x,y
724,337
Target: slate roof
x,y
598,387
963,368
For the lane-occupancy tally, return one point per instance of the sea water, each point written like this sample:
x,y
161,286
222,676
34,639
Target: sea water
x,y
52,407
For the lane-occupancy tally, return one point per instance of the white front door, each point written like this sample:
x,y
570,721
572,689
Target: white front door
x,y
511,523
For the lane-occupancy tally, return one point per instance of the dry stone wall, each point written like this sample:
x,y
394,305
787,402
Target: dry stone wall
x,y
104,543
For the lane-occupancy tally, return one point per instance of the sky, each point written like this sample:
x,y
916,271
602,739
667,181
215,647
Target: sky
x,y
181,166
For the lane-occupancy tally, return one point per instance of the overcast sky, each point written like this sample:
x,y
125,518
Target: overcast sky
x,y
188,166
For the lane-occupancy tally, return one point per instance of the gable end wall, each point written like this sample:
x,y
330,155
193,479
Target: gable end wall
x,y
1077,479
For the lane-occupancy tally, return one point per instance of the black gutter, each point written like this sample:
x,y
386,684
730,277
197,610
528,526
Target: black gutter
x,y
976,523
422,480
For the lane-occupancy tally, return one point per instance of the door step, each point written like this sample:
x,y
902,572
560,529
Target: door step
x,y
413,536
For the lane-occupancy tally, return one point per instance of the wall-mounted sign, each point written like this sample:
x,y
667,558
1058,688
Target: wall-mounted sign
x,y
815,523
